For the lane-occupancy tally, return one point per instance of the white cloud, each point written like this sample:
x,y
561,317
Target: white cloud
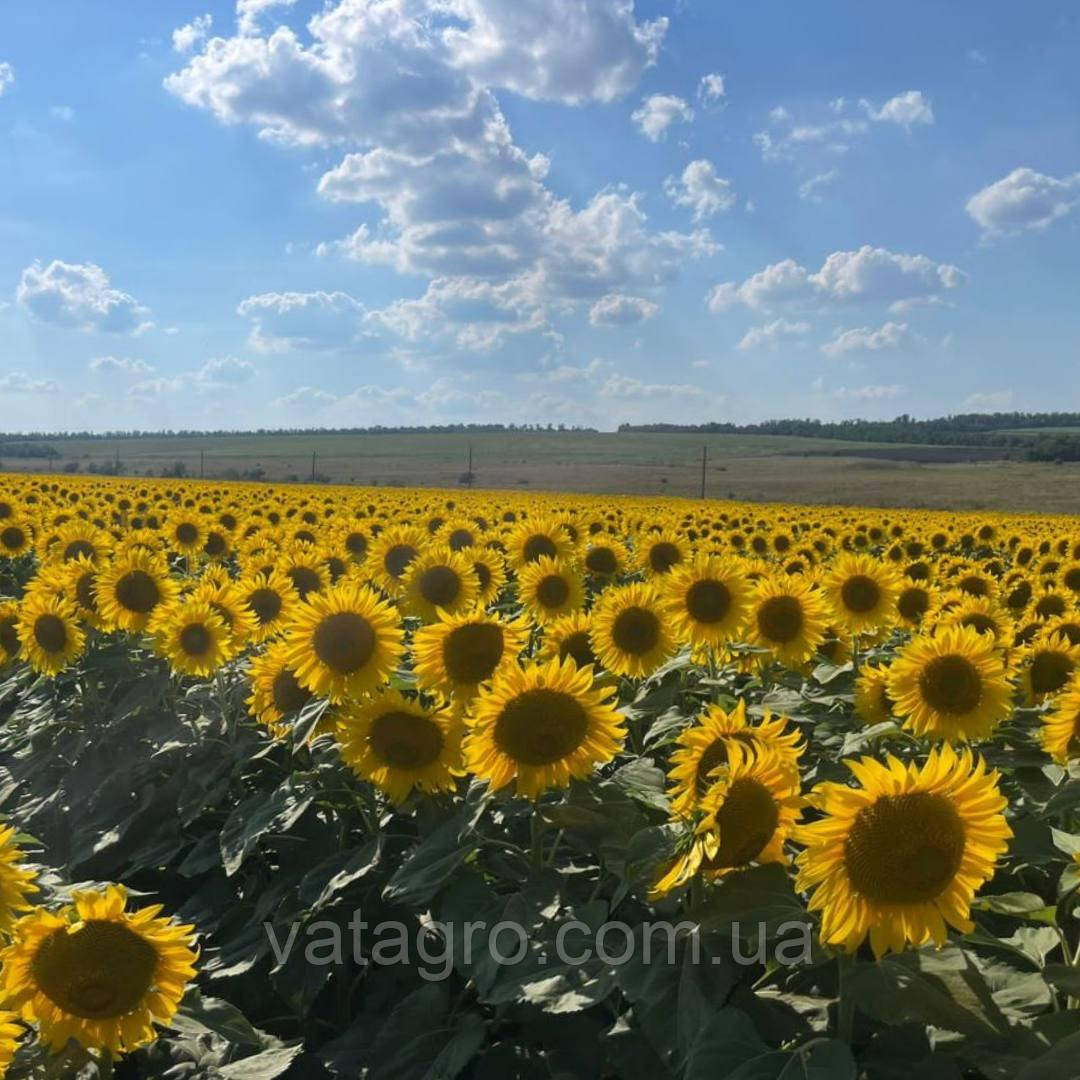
x,y
62,112
120,364
711,89
700,364
7,77
891,335
186,37
701,189
772,334
79,295
296,320
249,11
617,309
225,371
810,190
216,374
1025,199
626,387
781,145
870,393
990,401
304,396
867,274
907,109
18,382
658,112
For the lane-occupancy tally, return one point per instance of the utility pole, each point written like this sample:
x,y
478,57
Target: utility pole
x,y
118,461
202,462
314,455
704,456
469,469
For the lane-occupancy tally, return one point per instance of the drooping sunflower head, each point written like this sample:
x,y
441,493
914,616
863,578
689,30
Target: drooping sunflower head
x,y
632,631
707,599
439,579
344,642
550,588
540,726
79,578
16,881
10,643
399,745
48,628
1046,666
130,588
96,973
862,593
1060,728
275,691
873,705
570,636
787,617
459,652
903,854
951,686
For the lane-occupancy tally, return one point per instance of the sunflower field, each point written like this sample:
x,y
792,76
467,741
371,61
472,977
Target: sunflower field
x,y
341,782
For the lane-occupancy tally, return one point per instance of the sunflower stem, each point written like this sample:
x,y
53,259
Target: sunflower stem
x,y
536,832
845,1006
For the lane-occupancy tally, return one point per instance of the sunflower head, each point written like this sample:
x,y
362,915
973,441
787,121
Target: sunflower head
x,y
632,632
49,631
862,593
788,618
459,652
439,579
550,588
707,599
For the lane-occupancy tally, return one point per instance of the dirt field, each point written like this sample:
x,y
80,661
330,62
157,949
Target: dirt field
x,y
742,467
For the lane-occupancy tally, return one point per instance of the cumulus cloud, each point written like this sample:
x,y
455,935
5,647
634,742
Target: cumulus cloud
x,y
79,295
785,138
248,13
18,382
907,109
711,89
617,309
810,190
7,77
1025,199
304,396
700,189
870,393
186,37
626,387
989,401
867,274
658,112
216,374
125,365
224,371
864,339
772,334
296,320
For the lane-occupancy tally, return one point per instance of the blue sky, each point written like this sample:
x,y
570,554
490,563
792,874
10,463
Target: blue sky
x,y
276,213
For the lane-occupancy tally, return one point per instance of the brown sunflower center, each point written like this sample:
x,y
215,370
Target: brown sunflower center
x,y
780,619
266,604
356,545
187,533
540,727
440,586
982,623
1050,671
289,696
860,594
663,556
708,601
951,684
636,630
137,591
472,652
538,545
1049,606
601,560
405,741
483,574
1071,579
215,545
196,640
99,971
715,755
553,591
9,637
50,632
77,548
397,558
344,642
84,591
305,579
579,648
904,849
747,820
12,538
974,586
461,538
913,603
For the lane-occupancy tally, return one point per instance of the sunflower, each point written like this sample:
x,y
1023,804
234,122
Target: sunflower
x,y
605,558
1046,665
903,853
538,538
48,627
912,604
130,588
16,882
632,634
540,726
1060,730
186,533
748,812
982,614
550,588
10,1034
707,600
788,618
399,745
79,578
570,636
271,598
439,578
459,652
490,569
951,686
79,539
391,553
705,745
658,553
343,642
10,644
192,636
862,593
16,537
229,602
305,567
873,705
97,974
275,692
